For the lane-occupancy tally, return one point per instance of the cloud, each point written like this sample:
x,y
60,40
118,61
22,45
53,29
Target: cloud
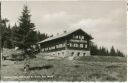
x,y
107,31
56,22
54,16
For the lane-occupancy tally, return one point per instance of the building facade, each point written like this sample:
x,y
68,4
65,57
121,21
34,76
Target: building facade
x,y
74,43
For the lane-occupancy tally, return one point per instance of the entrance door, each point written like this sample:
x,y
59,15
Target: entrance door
x,y
78,54
72,53
84,54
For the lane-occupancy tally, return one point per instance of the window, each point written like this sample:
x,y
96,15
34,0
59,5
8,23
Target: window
x,y
60,45
78,54
74,36
63,45
57,46
58,54
81,45
86,46
75,45
43,50
82,38
39,45
53,47
62,53
50,48
70,44
85,41
77,37
46,49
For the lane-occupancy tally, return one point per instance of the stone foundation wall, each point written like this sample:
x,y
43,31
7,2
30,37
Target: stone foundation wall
x,y
64,53
78,53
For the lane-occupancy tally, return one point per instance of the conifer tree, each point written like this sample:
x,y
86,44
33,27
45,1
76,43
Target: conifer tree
x,y
14,35
112,52
4,32
25,30
118,53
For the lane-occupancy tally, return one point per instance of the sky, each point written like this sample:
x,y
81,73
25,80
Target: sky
x,y
104,20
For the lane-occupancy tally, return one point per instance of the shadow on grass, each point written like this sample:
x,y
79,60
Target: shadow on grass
x,y
96,75
4,65
42,67
113,66
110,78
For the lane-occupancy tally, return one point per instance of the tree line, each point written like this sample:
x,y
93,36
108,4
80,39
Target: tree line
x,y
22,35
102,51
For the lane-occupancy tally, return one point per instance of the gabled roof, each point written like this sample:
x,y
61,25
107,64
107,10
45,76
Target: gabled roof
x,y
63,35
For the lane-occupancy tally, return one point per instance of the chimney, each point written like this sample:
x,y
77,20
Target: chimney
x,y
65,31
57,33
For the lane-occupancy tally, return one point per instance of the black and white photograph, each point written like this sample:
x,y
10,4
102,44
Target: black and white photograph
x,y
63,40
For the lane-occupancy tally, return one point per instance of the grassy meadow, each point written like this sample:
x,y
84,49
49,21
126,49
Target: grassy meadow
x,y
88,68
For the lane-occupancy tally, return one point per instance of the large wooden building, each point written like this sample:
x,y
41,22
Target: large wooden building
x,y
74,43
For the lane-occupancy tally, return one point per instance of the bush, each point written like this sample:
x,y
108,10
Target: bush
x,y
110,78
17,56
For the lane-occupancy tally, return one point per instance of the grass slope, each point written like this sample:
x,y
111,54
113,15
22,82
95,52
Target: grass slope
x,y
89,68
